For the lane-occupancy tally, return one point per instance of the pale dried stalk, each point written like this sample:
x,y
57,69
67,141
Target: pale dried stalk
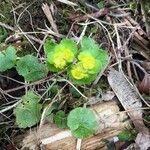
x,y
48,14
68,2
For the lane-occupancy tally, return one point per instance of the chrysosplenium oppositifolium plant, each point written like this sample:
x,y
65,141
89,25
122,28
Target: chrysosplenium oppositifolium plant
x,y
82,64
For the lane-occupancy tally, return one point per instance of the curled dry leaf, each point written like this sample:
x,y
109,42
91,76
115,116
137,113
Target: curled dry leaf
x,y
125,93
144,85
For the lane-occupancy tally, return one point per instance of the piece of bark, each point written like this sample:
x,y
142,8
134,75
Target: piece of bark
x,y
49,137
92,143
125,93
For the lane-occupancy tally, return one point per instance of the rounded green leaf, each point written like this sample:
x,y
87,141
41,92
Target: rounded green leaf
x,y
29,67
82,122
7,58
28,112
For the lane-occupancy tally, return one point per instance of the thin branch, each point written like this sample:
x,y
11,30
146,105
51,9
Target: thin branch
x,y
10,107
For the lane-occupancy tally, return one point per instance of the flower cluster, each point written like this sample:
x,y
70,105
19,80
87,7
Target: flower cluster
x,y
78,72
82,68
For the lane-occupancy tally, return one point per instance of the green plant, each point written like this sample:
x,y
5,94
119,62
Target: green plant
x,y
90,62
28,112
60,119
82,67
127,135
82,122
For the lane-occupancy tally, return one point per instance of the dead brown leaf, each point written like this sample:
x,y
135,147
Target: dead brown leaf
x,y
144,85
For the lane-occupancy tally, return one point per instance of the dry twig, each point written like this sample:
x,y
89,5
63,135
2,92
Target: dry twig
x,y
97,14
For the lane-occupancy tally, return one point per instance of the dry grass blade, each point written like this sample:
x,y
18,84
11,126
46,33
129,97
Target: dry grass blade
x,y
48,14
130,100
68,2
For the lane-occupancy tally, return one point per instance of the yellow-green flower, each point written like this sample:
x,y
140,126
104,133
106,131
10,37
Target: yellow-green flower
x,y
87,60
60,55
83,68
78,72
61,58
